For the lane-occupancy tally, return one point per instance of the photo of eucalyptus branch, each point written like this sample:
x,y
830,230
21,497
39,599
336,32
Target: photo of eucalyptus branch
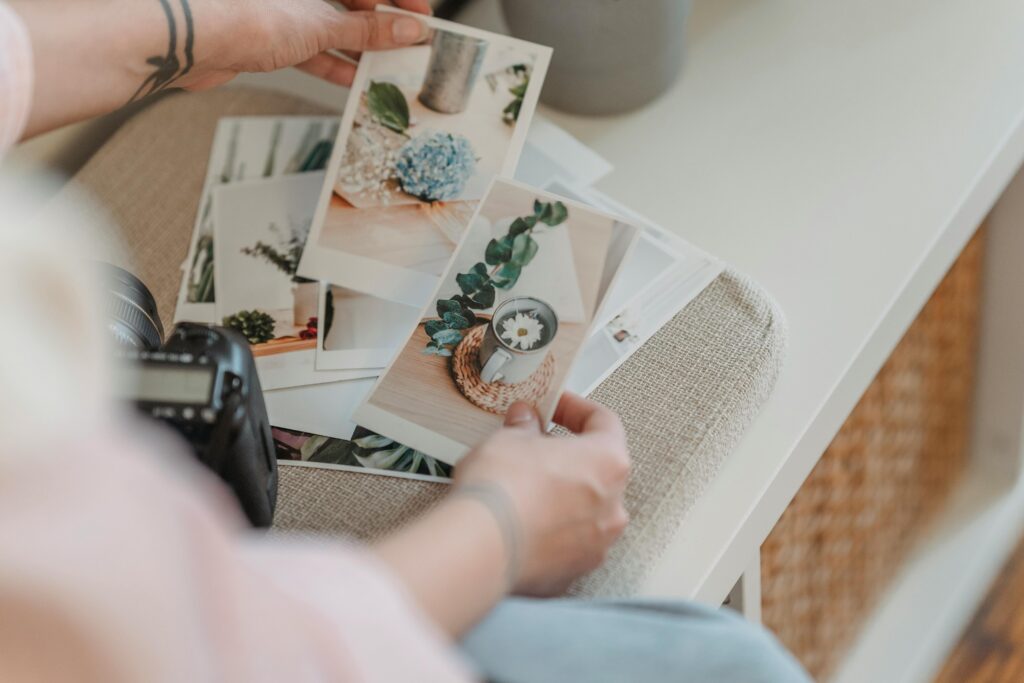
x,y
504,260
505,324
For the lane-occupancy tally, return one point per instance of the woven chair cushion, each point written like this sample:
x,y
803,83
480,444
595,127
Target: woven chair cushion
x,y
685,397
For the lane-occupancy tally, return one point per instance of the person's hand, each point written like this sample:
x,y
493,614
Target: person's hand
x,y
560,499
237,36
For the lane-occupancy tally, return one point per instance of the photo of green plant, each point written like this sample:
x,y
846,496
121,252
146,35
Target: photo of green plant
x,y
260,229
365,450
511,314
504,260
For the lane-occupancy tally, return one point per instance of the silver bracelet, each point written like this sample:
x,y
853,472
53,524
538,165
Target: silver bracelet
x,y
499,503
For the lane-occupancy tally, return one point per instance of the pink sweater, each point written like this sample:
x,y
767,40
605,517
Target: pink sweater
x,y
118,563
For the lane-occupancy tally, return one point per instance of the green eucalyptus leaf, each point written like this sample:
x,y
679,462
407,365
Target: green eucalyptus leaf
x,y
432,327
455,321
431,349
554,214
484,298
387,104
445,337
521,225
469,282
444,352
480,269
448,306
538,207
523,250
498,252
508,276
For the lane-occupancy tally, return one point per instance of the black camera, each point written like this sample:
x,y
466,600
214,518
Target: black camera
x,y
202,382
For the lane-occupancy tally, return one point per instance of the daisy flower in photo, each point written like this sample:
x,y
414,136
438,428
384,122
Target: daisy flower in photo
x,y
522,329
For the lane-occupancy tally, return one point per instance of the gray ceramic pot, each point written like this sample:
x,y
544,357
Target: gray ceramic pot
x,y
611,56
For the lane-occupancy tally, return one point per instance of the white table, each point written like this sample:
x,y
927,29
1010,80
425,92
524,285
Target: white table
x,y
841,153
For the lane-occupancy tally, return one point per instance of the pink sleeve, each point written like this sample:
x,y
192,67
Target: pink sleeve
x,y
116,567
15,77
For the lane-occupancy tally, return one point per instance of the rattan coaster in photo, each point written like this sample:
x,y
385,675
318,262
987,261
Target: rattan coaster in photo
x,y
495,397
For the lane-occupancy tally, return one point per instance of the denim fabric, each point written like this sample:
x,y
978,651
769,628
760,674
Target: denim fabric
x,y
602,641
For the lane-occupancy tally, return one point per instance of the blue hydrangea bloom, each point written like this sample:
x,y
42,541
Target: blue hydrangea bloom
x,y
435,166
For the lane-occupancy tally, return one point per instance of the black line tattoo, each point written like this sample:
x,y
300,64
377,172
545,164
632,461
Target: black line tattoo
x,y
167,68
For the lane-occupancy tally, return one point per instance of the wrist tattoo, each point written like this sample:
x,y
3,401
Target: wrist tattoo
x,y
169,67
498,502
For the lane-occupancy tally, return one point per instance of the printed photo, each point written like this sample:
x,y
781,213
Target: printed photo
x,y
364,452
247,148
661,275
505,324
324,409
260,228
359,330
425,130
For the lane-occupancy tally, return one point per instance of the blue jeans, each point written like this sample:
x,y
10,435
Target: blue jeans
x,y
604,641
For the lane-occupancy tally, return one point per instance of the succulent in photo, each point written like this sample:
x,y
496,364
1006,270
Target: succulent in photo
x,y
254,325
435,166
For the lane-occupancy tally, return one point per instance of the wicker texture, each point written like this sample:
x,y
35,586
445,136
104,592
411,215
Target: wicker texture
x,y
686,396
888,469
495,397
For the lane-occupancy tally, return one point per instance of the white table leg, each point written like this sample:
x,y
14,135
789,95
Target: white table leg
x,y
745,597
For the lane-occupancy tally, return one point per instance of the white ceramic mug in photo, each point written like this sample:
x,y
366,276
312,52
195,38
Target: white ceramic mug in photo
x,y
502,359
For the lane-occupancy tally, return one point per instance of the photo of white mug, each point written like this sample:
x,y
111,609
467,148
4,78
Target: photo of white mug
x,y
517,340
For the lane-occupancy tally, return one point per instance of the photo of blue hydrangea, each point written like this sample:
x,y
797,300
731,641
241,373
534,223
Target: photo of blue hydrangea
x,y
433,122
426,130
435,166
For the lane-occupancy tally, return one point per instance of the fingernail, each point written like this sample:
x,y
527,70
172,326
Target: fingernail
x,y
406,30
519,415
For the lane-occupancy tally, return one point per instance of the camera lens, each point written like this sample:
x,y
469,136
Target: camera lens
x,y
132,317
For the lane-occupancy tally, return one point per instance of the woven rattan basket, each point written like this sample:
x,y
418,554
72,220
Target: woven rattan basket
x,y
887,471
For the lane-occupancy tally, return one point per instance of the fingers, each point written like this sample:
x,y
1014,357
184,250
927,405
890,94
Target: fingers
x,y
360,31
330,68
523,416
582,416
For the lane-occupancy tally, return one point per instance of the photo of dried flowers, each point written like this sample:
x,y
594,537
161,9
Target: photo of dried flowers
x,y
425,130
506,323
365,451
247,148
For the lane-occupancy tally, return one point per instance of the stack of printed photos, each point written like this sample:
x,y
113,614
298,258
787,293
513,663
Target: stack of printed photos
x,y
406,271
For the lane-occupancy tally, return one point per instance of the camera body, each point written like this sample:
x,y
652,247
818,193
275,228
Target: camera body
x,y
202,382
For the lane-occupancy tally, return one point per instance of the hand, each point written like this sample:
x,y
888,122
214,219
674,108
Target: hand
x,y
91,58
565,495
267,35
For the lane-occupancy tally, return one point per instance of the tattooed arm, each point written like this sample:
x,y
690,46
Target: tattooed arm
x,y
94,56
